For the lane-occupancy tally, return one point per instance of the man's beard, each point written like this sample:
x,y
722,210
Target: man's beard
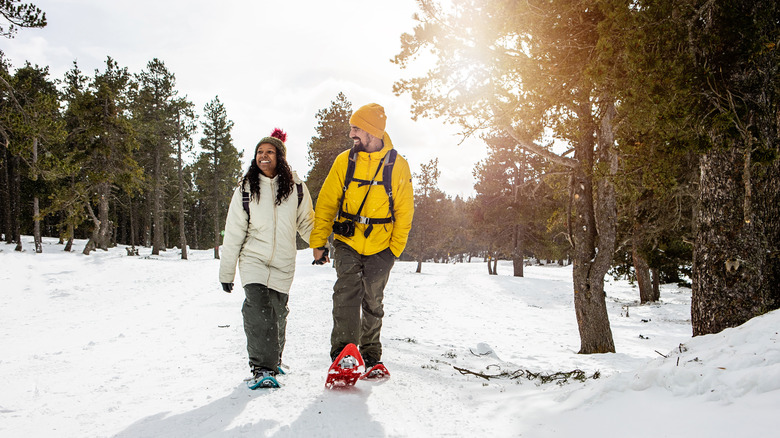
x,y
358,145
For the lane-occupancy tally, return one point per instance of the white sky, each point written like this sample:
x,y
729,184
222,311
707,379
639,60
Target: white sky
x,y
272,63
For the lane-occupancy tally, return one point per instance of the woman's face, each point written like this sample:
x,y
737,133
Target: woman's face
x,y
266,159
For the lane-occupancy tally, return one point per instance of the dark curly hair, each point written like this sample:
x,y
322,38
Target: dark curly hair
x,y
285,181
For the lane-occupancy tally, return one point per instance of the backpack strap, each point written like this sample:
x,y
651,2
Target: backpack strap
x,y
245,203
300,192
387,180
386,166
347,180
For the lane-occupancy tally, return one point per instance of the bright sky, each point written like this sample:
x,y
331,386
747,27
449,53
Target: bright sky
x,y
272,63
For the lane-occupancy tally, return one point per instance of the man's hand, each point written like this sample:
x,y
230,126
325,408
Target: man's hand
x,y
227,287
320,256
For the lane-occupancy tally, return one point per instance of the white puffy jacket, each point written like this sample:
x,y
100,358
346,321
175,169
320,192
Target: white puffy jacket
x,y
265,247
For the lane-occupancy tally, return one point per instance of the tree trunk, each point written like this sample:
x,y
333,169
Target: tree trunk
x,y
216,230
158,220
517,251
36,209
131,219
656,284
641,268
216,201
5,196
419,266
182,234
69,244
147,214
594,235
729,256
768,195
16,202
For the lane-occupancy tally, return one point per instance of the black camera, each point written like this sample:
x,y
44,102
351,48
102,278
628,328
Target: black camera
x,y
346,228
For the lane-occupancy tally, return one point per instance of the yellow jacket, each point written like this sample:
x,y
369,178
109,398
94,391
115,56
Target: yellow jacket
x,y
393,235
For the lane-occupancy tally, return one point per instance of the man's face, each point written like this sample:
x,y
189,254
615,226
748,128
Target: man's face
x,y
359,137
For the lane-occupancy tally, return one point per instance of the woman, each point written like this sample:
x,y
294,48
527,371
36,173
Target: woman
x,y
269,207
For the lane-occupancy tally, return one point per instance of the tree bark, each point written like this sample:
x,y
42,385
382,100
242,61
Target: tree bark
x,y
641,267
216,200
157,215
182,233
104,237
594,233
5,195
69,243
36,209
729,257
656,284
517,251
768,195
16,202
147,216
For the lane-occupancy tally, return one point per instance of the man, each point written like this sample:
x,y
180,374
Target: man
x,y
372,221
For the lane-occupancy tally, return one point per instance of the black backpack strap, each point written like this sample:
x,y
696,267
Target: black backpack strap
x,y
245,203
300,192
387,180
386,165
347,179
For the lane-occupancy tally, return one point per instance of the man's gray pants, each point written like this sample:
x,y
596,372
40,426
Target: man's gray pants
x,y
357,300
265,322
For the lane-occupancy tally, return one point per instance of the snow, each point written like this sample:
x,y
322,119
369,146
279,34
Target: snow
x,y
111,345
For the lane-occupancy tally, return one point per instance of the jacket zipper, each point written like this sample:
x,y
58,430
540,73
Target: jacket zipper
x,y
273,242
368,191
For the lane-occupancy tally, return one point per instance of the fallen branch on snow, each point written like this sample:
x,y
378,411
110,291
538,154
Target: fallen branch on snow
x,y
559,377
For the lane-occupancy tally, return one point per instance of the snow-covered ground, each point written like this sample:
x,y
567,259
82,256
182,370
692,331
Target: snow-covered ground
x,y
150,346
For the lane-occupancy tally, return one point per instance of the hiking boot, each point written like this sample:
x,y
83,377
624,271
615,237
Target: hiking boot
x,y
348,362
262,378
370,363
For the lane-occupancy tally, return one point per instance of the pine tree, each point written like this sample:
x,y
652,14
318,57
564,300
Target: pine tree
x,y
517,204
218,167
185,128
428,231
155,116
332,138
700,79
100,146
36,128
521,67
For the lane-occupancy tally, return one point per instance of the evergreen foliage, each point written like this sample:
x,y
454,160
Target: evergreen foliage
x,y
155,111
332,138
669,108
431,218
19,14
217,168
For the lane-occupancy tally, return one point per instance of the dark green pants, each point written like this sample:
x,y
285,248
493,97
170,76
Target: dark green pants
x,y
265,321
357,300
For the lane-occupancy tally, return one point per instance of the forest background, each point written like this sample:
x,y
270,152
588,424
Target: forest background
x,y
628,138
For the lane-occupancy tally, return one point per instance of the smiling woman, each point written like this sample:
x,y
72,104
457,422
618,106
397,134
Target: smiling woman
x,y
266,159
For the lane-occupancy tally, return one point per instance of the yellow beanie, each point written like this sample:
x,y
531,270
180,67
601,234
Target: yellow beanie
x,y
370,118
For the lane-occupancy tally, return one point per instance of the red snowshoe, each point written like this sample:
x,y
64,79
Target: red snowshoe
x,y
377,372
346,369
